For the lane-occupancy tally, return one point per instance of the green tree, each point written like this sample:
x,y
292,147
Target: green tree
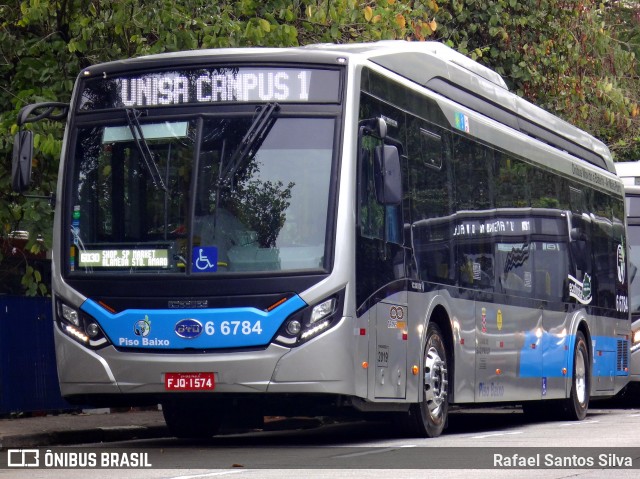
x,y
569,57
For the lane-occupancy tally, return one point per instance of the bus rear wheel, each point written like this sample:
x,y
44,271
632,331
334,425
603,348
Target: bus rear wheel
x,y
428,418
576,405
192,418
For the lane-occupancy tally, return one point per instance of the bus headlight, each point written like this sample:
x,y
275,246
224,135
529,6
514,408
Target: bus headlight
x,y
79,326
93,330
311,321
294,327
70,315
323,310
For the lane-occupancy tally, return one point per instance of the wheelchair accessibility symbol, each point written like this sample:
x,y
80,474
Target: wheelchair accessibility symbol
x,y
205,259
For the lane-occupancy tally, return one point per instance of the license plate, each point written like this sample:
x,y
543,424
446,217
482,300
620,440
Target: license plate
x,y
189,381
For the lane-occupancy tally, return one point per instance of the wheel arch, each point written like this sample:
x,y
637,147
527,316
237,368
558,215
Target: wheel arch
x,y
440,316
582,326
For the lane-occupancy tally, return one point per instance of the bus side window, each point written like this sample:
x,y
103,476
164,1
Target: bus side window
x,y
432,248
580,248
542,281
431,149
515,269
476,269
372,213
376,220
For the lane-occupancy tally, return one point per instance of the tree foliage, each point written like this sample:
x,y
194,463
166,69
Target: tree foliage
x,y
575,58
569,57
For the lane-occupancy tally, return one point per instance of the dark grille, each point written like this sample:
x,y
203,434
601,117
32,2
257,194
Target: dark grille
x,y
622,357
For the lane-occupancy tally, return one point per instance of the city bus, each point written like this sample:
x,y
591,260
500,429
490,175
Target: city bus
x,y
380,228
629,172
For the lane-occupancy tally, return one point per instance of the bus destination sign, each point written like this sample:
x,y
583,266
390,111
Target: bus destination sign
x,y
124,258
215,85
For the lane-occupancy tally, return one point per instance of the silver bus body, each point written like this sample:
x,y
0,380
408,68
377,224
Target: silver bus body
x,y
383,282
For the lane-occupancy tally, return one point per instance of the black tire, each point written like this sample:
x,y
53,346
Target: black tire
x,y
576,405
192,418
429,417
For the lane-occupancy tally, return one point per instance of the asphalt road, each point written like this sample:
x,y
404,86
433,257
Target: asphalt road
x,y
478,443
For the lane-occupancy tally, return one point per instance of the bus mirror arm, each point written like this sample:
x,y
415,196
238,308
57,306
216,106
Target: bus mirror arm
x,y
52,110
373,126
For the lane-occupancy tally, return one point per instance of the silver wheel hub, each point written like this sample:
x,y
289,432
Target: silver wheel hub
x,y
435,382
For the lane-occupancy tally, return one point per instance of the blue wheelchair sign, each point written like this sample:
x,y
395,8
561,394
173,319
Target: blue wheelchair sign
x,y
205,259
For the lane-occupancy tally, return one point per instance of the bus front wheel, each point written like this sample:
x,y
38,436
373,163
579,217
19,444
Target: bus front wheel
x,y
429,417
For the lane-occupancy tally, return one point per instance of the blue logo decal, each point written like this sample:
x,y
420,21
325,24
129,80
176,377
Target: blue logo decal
x,y
178,328
462,122
205,259
188,328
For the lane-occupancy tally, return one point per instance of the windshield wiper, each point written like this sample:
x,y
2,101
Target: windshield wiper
x,y
143,148
252,140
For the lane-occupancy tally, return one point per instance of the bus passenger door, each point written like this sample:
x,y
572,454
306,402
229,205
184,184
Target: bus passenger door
x,y
509,359
508,353
552,269
381,255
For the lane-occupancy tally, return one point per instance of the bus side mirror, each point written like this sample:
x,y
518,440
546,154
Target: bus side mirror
x,y
21,164
388,175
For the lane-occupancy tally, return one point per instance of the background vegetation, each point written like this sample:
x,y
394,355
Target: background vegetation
x,y
575,58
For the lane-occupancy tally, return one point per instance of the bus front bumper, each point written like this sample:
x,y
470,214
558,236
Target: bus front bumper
x,y
275,369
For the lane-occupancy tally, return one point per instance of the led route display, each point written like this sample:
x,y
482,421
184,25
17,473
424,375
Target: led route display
x,y
214,85
124,258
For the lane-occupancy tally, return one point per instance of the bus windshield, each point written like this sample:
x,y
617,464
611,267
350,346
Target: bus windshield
x,y
221,194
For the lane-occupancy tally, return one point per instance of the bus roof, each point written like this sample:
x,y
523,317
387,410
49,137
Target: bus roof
x,y
429,64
